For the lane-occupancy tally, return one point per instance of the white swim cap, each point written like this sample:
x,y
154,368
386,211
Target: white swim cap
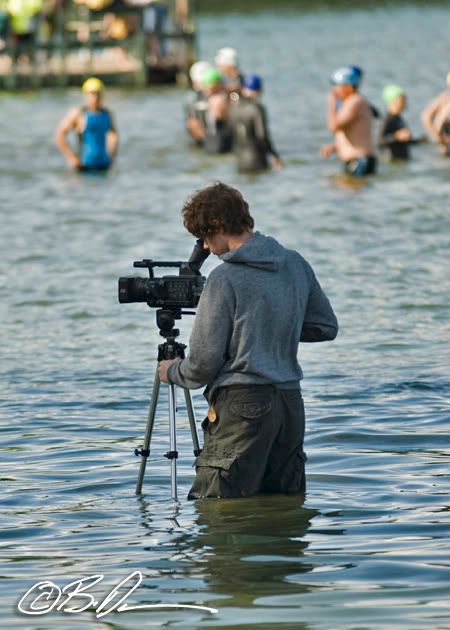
x,y
198,70
226,57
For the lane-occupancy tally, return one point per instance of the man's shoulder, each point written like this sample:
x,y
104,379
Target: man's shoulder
x,y
220,273
295,257
354,102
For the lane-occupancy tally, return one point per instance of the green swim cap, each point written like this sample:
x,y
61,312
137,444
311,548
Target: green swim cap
x,y
391,92
211,76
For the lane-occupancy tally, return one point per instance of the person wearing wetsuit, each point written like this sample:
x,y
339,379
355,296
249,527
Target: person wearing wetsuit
x,y
196,104
251,138
395,135
351,123
96,131
227,63
217,126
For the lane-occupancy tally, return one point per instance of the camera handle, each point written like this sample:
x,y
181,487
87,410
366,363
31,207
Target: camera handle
x,y
170,349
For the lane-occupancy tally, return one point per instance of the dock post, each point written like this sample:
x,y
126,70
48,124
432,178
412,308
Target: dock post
x,y
11,76
63,48
142,75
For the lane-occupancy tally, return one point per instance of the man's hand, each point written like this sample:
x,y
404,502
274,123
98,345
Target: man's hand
x,y
276,163
163,368
74,161
403,135
327,150
332,100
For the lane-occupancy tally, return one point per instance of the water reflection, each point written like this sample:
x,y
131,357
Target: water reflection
x,y
243,549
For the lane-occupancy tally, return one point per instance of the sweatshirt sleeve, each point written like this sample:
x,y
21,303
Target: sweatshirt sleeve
x,y
211,334
320,323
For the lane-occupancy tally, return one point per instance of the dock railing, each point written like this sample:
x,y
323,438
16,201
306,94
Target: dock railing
x,y
114,44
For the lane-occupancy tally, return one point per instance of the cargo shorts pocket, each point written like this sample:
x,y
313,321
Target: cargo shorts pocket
x,y
251,406
215,477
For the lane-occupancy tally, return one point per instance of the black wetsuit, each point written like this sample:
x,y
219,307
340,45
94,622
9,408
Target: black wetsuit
x,y
374,110
444,135
397,149
251,139
218,136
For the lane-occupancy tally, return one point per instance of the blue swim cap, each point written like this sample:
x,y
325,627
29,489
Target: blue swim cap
x,y
358,71
253,82
347,75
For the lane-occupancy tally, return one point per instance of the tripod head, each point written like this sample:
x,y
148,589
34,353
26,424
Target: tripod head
x,y
165,320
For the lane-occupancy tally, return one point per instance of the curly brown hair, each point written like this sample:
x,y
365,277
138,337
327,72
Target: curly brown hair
x,y
217,208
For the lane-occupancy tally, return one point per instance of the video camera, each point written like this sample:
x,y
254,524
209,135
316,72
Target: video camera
x,y
167,292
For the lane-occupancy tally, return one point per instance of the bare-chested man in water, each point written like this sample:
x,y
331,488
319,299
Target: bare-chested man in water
x,y
350,119
436,120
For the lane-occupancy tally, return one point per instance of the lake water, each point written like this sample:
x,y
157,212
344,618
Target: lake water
x,y
370,546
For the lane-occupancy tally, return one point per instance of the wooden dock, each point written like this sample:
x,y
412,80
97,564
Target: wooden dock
x,y
79,47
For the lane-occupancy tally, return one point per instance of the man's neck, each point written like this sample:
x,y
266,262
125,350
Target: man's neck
x,y
235,241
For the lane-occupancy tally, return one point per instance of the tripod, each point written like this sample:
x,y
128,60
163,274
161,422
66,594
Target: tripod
x,y
170,349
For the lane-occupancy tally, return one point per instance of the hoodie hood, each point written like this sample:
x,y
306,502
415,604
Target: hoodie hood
x,y
262,252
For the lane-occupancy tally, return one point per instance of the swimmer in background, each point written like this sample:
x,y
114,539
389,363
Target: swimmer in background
x,y
359,72
436,120
251,138
351,123
96,130
227,63
196,105
395,135
217,132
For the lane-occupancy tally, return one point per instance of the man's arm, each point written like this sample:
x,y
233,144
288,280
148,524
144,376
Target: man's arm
x,y
69,123
394,130
112,139
218,107
441,119
428,115
347,112
320,323
211,334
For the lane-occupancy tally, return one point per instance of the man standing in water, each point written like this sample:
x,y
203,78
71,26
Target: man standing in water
x,y
251,139
254,310
226,61
350,119
436,120
217,128
96,130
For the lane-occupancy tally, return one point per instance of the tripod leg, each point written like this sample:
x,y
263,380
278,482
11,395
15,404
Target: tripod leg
x,y
172,455
148,432
191,416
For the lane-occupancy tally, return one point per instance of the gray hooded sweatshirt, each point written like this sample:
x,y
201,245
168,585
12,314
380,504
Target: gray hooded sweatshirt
x,y
254,309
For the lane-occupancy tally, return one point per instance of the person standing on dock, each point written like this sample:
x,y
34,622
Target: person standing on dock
x,y
251,138
96,130
350,119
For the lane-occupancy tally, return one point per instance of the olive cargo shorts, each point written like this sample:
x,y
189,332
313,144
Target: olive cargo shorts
x,y
254,445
